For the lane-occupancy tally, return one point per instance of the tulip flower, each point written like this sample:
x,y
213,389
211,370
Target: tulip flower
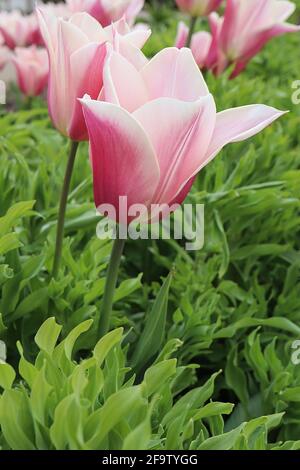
x,y
246,28
107,11
198,7
32,69
157,129
77,49
16,29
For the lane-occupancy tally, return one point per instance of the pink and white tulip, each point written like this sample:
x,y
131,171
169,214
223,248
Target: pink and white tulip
x,y
32,69
238,36
108,11
60,10
198,7
245,29
158,128
16,29
77,50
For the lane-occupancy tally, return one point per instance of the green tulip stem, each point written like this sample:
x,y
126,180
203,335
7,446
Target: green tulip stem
x,y
110,286
62,208
191,30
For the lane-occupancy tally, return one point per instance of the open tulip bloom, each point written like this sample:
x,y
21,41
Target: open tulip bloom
x,y
238,36
247,27
158,128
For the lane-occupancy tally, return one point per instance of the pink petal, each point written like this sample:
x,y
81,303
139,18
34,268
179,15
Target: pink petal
x,y
237,124
123,84
73,38
173,73
120,26
114,10
258,41
200,46
214,55
133,10
48,25
248,26
9,40
282,10
229,23
89,26
180,197
138,37
123,159
182,35
240,66
87,68
180,133
132,53
283,28
98,11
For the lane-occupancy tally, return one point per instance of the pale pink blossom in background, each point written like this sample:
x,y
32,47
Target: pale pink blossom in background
x,y
237,37
77,49
107,11
158,128
245,29
17,29
198,7
32,69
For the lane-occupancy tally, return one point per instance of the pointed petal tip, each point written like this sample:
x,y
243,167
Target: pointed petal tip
x,y
85,99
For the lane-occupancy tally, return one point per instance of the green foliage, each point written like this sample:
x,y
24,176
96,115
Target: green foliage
x,y
63,403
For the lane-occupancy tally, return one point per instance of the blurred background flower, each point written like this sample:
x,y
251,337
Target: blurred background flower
x,y
32,69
